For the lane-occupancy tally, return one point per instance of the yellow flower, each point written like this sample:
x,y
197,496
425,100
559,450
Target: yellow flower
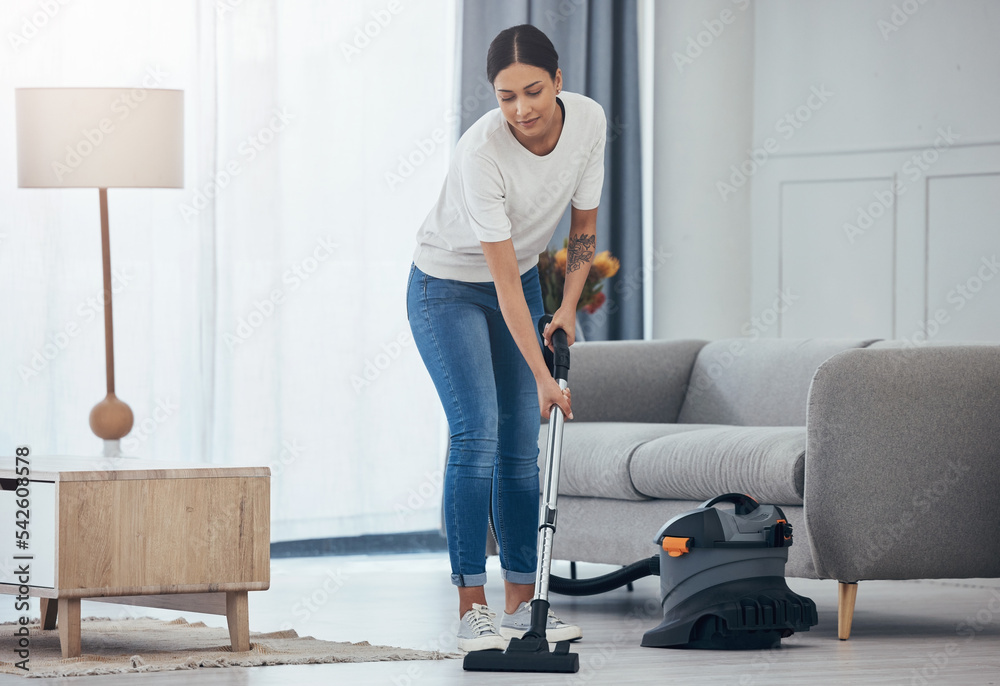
x,y
561,261
605,265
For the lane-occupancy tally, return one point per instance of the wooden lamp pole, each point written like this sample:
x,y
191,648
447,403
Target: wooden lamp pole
x,y
111,419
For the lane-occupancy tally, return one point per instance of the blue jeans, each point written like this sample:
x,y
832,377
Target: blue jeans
x,y
491,402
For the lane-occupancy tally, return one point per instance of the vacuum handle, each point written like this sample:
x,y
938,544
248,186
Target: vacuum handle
x,y
744,503
560,365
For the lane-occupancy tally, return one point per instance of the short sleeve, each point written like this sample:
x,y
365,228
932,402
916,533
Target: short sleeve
x,y
483,194
588,193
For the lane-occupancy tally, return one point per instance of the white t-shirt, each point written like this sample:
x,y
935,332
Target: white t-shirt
x,y
497,189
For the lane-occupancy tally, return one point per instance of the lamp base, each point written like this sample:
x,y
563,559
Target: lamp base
x,y
111,419
113,449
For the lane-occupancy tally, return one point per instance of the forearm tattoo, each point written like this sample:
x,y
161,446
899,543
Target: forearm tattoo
x,y
580,251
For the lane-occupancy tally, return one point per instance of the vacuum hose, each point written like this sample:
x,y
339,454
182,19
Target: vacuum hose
x,y
606,582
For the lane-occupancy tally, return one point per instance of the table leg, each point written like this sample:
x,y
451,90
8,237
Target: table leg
x,y
238,617
48,606
69,626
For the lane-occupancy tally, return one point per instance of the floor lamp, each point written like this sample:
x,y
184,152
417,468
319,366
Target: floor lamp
x,y
101,138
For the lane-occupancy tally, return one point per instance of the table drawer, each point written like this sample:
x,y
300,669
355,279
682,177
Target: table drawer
x,y
41,527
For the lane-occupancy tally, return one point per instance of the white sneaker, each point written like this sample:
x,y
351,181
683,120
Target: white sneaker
x,y
478,631
517,624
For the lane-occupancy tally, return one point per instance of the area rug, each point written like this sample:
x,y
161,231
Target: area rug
x,y
152,645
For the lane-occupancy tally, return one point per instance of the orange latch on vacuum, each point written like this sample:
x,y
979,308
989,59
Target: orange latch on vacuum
x,y
676,546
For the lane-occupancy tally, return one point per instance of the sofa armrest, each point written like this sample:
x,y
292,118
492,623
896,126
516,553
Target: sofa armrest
x,y
902,472
630,381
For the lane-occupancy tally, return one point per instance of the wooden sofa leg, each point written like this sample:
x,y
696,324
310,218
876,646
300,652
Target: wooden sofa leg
x,y
847,594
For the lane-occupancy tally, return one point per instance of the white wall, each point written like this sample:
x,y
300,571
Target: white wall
x,y
894,86
873,193
702,124
880,214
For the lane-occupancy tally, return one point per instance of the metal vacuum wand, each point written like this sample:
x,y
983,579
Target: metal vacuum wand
x,y
530,653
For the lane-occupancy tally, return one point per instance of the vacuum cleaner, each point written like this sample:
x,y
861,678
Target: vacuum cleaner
x,y
722,579
531,653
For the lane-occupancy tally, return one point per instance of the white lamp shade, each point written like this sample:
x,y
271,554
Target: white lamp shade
x,y
100,138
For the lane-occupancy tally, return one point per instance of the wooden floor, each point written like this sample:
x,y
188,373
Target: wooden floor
x,y
905,632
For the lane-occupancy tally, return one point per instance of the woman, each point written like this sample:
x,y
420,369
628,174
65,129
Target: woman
x,y
474,301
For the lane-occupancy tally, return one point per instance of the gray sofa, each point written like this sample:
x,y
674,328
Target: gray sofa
x,y
885,458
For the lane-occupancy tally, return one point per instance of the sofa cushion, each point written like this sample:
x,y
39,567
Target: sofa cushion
x,y
595,456
763,382
631,381
767,463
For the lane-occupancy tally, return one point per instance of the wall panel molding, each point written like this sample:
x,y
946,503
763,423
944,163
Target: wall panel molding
x,y
828,152
922,184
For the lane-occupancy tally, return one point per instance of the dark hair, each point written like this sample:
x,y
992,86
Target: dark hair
x,y
523,44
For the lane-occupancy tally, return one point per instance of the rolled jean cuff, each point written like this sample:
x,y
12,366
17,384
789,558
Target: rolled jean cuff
x,y
518,577
469,579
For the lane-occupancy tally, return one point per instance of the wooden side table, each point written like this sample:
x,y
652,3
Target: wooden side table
x,y
139,532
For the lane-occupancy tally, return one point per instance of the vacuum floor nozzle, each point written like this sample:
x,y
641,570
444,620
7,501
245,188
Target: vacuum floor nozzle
x,y
528,654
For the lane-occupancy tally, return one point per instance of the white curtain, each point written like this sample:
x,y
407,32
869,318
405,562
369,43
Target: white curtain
x,y
259,312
